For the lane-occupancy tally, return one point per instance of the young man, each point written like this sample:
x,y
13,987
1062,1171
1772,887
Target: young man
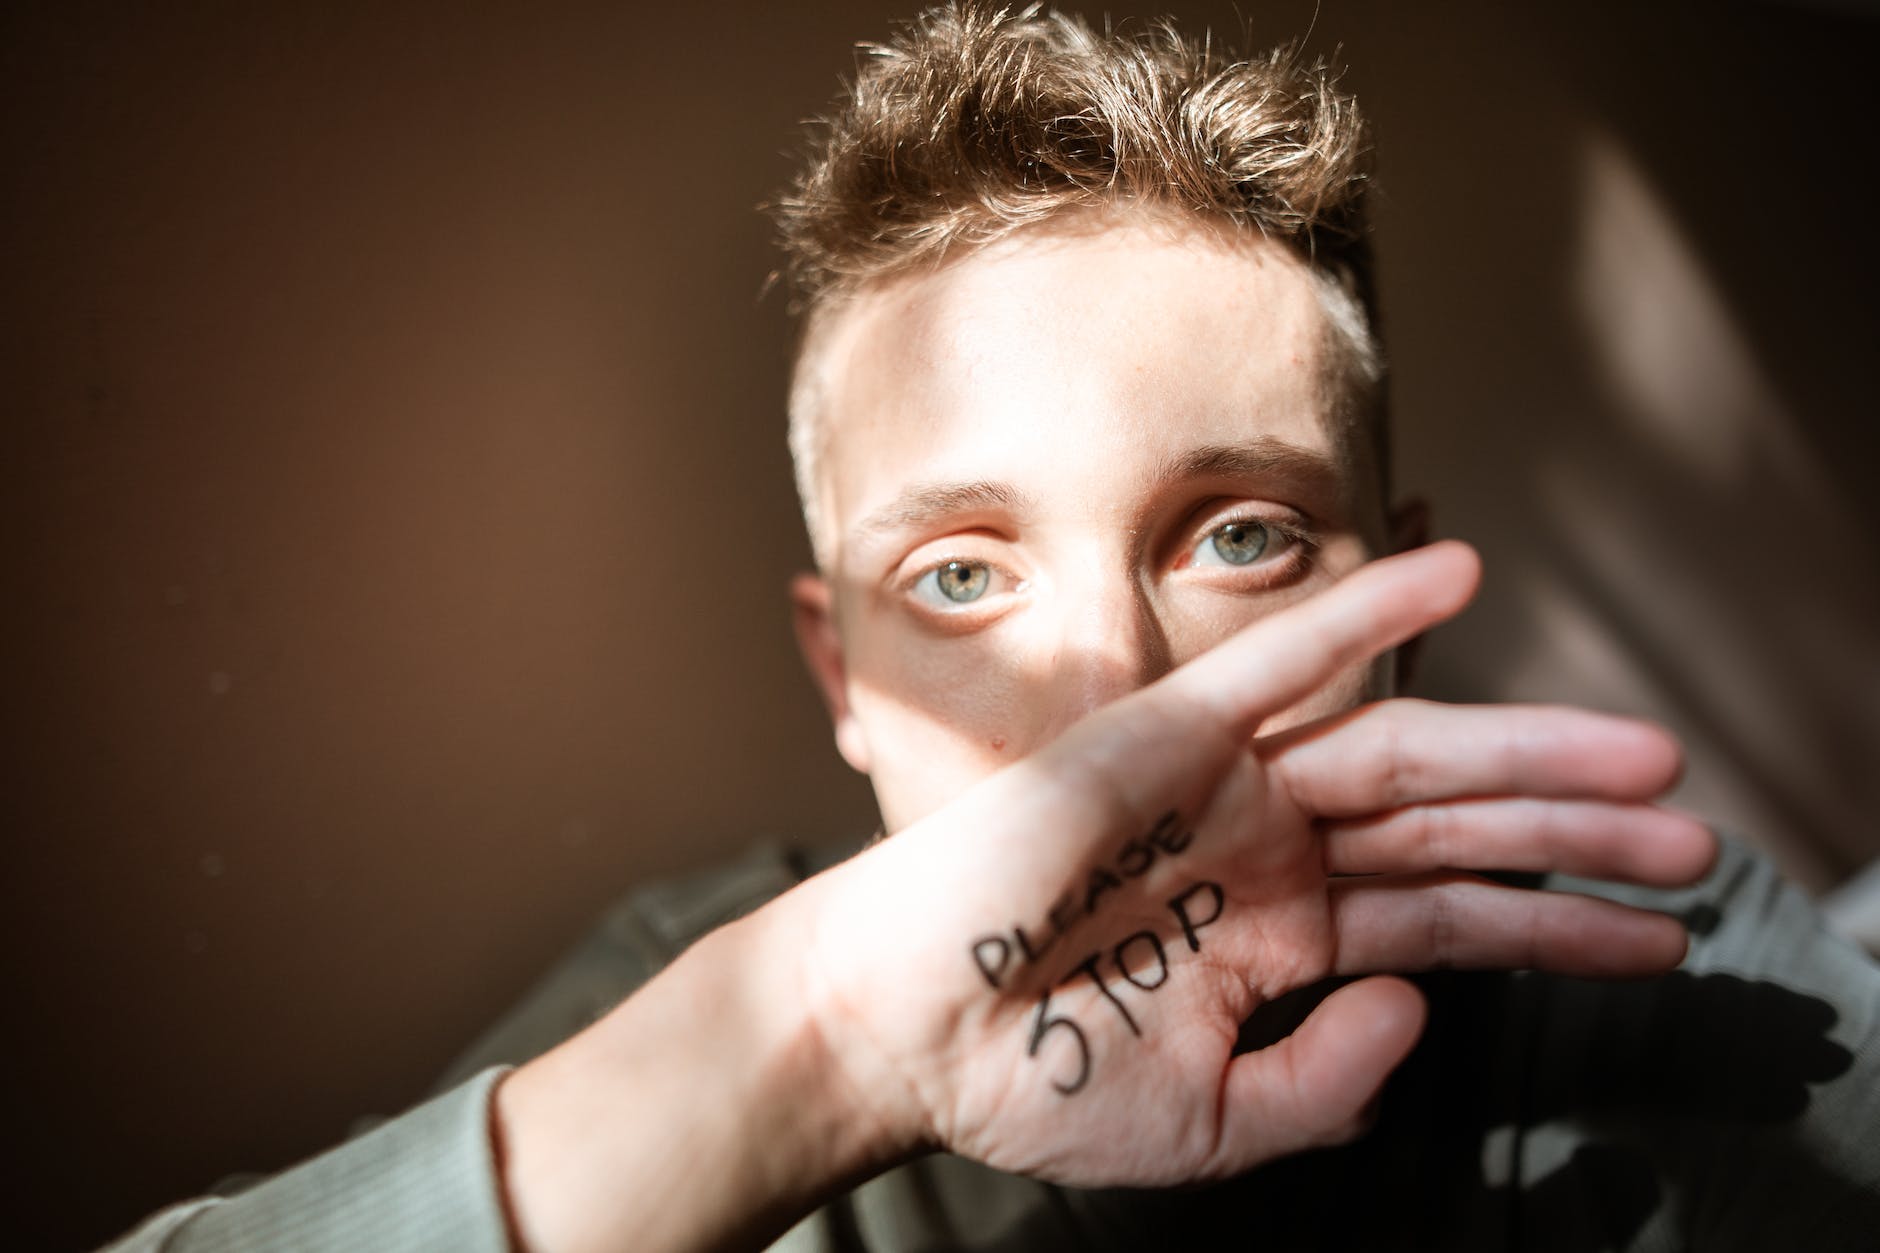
x,y
1088,425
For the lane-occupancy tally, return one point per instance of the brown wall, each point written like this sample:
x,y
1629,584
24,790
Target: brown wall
x,y
397,513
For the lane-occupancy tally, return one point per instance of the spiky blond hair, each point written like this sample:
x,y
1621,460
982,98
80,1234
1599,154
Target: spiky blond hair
x,y
971,124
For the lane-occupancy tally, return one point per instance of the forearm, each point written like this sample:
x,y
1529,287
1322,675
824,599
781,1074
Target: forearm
x,y
703,1112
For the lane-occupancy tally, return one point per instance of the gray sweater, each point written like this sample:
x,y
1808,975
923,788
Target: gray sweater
x,y
1731,1105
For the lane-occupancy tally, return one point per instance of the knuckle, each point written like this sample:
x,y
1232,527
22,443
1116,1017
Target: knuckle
x,y
1555,831
1441,926
1389,765
1441,834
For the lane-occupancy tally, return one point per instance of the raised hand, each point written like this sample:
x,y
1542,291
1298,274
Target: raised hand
x,y
1049,974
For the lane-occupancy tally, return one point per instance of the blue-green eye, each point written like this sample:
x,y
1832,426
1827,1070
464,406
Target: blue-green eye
x,y
955,583
1234,544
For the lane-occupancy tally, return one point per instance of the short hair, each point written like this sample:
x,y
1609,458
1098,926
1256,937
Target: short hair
x,y
970,125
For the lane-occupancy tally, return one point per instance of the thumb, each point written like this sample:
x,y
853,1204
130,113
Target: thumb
x,y
1314,1087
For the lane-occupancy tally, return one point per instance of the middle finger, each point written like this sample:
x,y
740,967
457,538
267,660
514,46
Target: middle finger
x,y
1407,752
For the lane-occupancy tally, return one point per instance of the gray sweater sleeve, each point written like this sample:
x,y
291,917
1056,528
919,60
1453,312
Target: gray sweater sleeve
x,y
423,1181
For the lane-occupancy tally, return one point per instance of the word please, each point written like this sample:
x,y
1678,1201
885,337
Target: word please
x,y
993,954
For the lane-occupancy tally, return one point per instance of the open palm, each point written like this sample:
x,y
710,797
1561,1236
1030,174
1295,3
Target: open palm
x,y
1050,974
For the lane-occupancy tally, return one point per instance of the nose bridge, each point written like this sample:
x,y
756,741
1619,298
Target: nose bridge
x,y
1110,643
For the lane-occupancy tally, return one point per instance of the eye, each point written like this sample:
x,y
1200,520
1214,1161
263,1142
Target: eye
x,y
953,584
1236,544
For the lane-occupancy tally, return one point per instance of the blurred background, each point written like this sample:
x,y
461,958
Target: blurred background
x,y
398,516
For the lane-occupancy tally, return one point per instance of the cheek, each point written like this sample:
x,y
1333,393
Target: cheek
x,y
1196,618
938,716
963,687
921,762
1351,687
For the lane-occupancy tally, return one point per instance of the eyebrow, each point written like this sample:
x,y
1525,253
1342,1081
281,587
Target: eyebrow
x,y
1264,458
927,503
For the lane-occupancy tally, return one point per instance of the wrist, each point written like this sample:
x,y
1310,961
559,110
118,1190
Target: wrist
x,y
708,1110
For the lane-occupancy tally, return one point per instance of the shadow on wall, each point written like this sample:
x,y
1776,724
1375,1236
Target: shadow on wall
x,y
1629,351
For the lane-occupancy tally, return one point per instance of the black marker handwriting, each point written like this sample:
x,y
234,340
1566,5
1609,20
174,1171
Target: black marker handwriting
x,y
1149,972
993,954
1045,1023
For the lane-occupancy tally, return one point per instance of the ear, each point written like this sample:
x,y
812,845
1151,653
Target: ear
x,y
813,614
1409,525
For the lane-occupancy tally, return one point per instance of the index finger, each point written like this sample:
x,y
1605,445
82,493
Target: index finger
x,y
1179,732
1282,659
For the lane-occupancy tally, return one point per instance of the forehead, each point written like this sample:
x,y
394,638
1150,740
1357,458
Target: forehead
x,y
1069,362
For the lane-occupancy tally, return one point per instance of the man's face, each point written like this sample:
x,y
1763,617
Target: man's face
x,y
1056,469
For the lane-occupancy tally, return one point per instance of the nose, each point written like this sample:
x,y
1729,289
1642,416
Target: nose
x,y
1109,642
